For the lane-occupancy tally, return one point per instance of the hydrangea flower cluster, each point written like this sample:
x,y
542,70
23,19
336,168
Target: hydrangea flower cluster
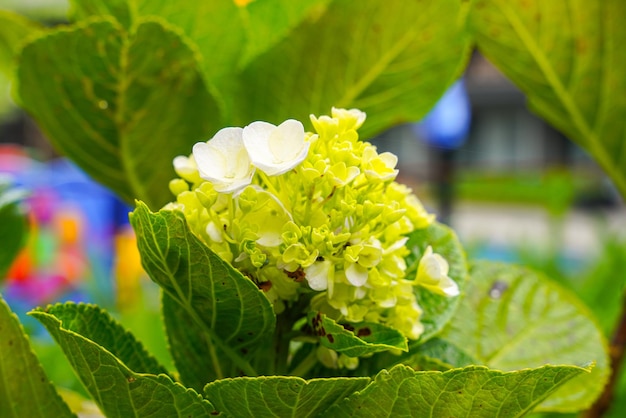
x,y
315,213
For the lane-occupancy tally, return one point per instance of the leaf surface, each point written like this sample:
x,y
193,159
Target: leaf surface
x,y
96,325
119,9
512,318
188,345
232,313
229,36
14,30
280,396
119,391
355,340
469,392
392,60
567,56
25,390
437,309
120,106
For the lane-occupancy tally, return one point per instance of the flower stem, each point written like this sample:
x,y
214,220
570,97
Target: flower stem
x,y
305,365
617,350
281,344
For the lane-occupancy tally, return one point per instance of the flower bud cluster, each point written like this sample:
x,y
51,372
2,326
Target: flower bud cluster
x,y
316,213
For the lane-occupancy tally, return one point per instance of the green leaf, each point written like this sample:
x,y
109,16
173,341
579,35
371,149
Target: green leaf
x,y
119,9
120,106
469,392
568,58
267,22
392,60
438,310
188,346
513,318
96,325
13,227
25,390
436,354
356,339
229,37
14,30
119,391
232,313
278,396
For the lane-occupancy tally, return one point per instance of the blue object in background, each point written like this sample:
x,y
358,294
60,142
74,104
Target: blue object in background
x,y
448,123
74,223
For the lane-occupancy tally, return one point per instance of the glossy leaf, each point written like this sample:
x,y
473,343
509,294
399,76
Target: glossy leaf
x,y
280,396
568,58
96,325
232,313
392,60
121,108
13,227
437,309
470,392
118,390
355,340
25,390
513,318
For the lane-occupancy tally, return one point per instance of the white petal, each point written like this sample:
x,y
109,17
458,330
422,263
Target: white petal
x,y
211,165
449,287
275,149
214,232
184,165
286,141
224,160
396,245
317,275
356,275
256,140
234,185
390,159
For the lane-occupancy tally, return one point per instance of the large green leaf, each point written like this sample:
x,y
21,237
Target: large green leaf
x,y
118,390
96,325
188,345
355,340
234,316
513,318
119,9
392,59
469,392
568,58
435,354
25,390
120,105
267,22
14,30
275,59
229,36
13,227
437,309
280,396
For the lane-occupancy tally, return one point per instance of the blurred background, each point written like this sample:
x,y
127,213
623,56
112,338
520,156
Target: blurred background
x,y
513,188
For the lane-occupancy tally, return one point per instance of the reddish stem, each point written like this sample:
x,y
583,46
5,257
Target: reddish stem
x,y
617,349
